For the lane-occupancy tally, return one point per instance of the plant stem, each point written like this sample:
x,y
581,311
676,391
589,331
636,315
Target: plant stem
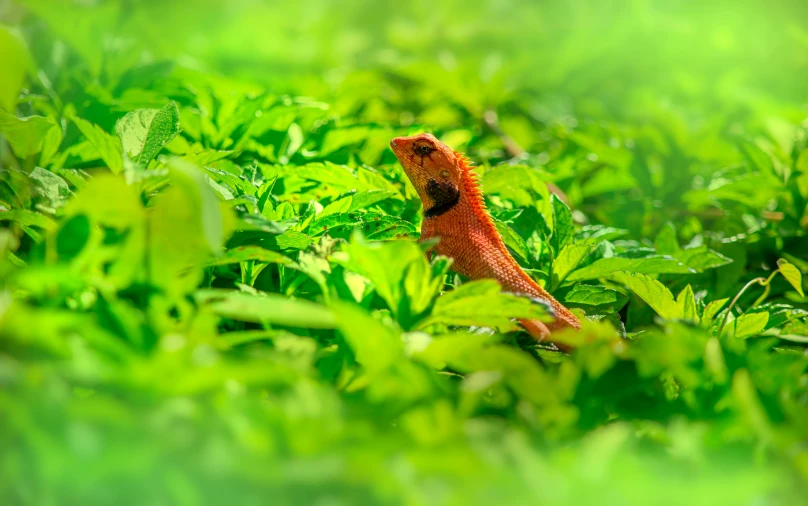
x,y
765,293
760,281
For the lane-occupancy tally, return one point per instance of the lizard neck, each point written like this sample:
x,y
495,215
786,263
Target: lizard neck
x,y
467,217
459,207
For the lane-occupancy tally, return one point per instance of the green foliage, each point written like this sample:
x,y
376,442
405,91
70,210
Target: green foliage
x,y
211,290
31,135
15,66
107,147
144,132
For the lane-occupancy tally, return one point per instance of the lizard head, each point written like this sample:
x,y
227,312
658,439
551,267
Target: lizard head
x,y
434,170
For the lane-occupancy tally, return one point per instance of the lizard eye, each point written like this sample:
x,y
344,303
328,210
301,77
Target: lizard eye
x,y
424,149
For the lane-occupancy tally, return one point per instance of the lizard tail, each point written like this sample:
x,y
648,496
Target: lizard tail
x,y
563,318
537,329
540,331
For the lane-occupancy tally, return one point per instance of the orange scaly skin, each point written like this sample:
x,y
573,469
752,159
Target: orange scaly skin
x,y
454,212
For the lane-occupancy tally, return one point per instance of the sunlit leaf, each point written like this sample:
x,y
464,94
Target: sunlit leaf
x,y
376,346
562,224
569,259
594,298
211,213
687,305
792,275
27,218
750,324
654,293
30,135
107,146
701,258
50,186
512,240
483,303
144,132
400,273
243,253
266,308
649,265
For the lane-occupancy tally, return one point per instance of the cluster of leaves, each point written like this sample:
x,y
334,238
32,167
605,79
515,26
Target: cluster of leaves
x,y
211,292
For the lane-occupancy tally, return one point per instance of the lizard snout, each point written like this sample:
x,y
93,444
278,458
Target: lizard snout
x,y
398,142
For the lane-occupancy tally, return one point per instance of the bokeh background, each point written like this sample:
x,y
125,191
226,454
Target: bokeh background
x,y
661,120
706,75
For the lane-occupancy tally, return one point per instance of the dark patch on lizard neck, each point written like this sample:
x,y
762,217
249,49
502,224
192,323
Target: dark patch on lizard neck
x,y
445,196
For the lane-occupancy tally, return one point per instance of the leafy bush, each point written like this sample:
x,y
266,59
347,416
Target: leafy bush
x,y
211,291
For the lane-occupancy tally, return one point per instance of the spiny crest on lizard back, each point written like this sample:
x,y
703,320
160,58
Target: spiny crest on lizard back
x,y
472,186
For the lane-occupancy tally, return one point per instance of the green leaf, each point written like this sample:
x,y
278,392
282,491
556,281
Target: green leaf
x,y
187,224
144,132
28,218
50,186
293,240
193,181
568,260
686,301
792,275
235,184
518,183
330,174
474,353
654,293
562,224
400,273
376,346
116,208
237,338
266,308
594,298
388,228
711,310
16,64
666,242
483,303
512,240
328,222
649,265
750,324
31,135
107,146
244,253
701,258
365,199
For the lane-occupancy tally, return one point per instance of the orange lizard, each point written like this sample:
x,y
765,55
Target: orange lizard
x,y
454,212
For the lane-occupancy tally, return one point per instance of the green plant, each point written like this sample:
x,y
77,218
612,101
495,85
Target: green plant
x,y
211,292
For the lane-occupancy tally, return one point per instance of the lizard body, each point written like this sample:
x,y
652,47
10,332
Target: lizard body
x,y
455,213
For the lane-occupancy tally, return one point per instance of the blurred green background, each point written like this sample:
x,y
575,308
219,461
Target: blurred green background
x,y
129,376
